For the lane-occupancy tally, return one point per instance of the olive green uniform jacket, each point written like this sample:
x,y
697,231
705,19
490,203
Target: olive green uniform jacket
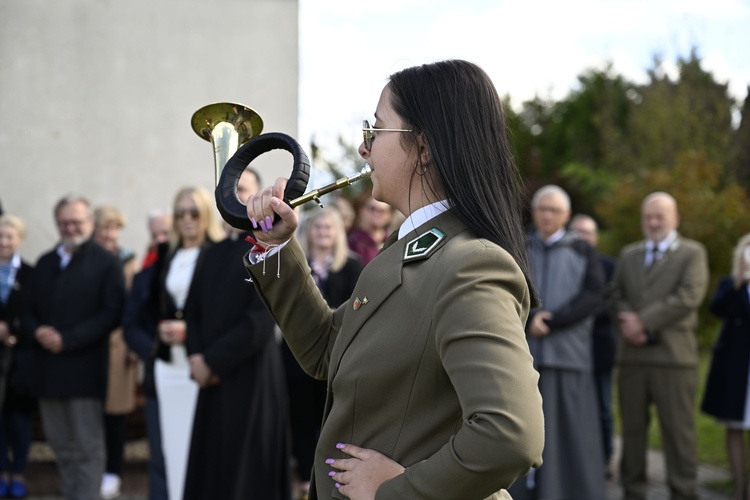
x,y
426,363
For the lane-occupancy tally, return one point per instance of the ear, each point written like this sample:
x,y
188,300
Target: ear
x,y
423,150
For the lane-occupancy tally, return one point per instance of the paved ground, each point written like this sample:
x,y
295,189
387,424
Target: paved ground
x,y
44,484
658,489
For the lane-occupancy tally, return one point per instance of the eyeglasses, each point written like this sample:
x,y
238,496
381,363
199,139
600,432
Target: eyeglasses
x,y
71,223
193,213
549,210
367,131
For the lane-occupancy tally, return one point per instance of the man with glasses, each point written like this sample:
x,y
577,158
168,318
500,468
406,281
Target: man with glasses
x,y
570,282
75,302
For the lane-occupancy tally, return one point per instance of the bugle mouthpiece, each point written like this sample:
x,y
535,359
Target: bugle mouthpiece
x,y
315,194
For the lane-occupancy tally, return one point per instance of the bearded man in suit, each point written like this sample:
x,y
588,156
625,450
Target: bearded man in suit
x,y
659,284
76,299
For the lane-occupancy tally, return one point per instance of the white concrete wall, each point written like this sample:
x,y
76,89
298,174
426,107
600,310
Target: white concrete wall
x,y
96,98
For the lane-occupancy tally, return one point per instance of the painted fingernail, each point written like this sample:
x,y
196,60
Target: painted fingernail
x,y
340,446
332,473
329,461
269,222
263,226
338,485
255,222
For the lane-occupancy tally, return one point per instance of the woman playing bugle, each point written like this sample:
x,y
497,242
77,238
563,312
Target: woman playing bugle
x,y
431,389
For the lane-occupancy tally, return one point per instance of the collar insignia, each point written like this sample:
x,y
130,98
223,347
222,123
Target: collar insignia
x,y
421,246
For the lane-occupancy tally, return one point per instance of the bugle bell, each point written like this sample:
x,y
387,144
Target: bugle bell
x,y
227,126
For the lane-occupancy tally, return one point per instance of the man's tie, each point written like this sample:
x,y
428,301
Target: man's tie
x,y
654,256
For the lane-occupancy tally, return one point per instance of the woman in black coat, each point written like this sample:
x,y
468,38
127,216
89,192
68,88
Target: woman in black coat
x,y
727,395
194,229
239,445
15,361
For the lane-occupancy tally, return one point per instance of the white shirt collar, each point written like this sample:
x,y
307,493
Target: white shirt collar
x,y
664,244
422,215
554,237
15,265
65,257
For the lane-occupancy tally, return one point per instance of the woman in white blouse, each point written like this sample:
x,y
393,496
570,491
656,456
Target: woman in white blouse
x,y
194,227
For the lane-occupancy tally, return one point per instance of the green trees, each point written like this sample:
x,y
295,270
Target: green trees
x,y
611,142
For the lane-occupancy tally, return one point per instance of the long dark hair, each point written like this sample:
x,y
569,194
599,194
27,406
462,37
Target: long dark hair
x,y
456,108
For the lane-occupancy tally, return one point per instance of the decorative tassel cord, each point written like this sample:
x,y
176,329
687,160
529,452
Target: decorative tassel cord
x,y
262,251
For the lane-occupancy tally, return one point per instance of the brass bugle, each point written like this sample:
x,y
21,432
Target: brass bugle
x,y
235,213
226,125
315,194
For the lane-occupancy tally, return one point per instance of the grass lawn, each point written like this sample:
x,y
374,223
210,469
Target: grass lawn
x,y
710,434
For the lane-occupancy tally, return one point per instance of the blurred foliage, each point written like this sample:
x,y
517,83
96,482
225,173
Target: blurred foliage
x,y
693,112
346,163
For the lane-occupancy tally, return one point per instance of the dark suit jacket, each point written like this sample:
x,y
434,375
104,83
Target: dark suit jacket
x,y
139,325
432,369
726,387
19,360
605,333
84,303
666,296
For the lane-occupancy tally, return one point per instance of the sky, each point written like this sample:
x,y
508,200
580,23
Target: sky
x,y
528,47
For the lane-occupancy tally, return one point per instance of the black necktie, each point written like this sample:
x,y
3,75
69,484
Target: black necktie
x,y
654,256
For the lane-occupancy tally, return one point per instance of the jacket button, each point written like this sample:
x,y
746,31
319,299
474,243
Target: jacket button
x,y
178,315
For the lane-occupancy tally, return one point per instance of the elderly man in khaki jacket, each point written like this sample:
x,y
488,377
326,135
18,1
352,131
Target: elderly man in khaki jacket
x,y
659,284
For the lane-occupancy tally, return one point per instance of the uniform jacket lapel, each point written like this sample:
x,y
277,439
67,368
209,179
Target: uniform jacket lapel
x,y
375,285
383,277
639,269
663,264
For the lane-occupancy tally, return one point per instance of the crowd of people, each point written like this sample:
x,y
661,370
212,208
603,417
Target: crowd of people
x,y
228,411
419,344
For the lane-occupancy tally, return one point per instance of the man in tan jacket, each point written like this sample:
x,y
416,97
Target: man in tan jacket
x,y
658,286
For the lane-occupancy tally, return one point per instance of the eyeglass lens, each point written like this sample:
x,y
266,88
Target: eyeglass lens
x,y
367,135
192,213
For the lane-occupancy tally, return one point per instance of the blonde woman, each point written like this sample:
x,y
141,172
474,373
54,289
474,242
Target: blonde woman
x,y
15,361
123,366
727,395
195,227
335,268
